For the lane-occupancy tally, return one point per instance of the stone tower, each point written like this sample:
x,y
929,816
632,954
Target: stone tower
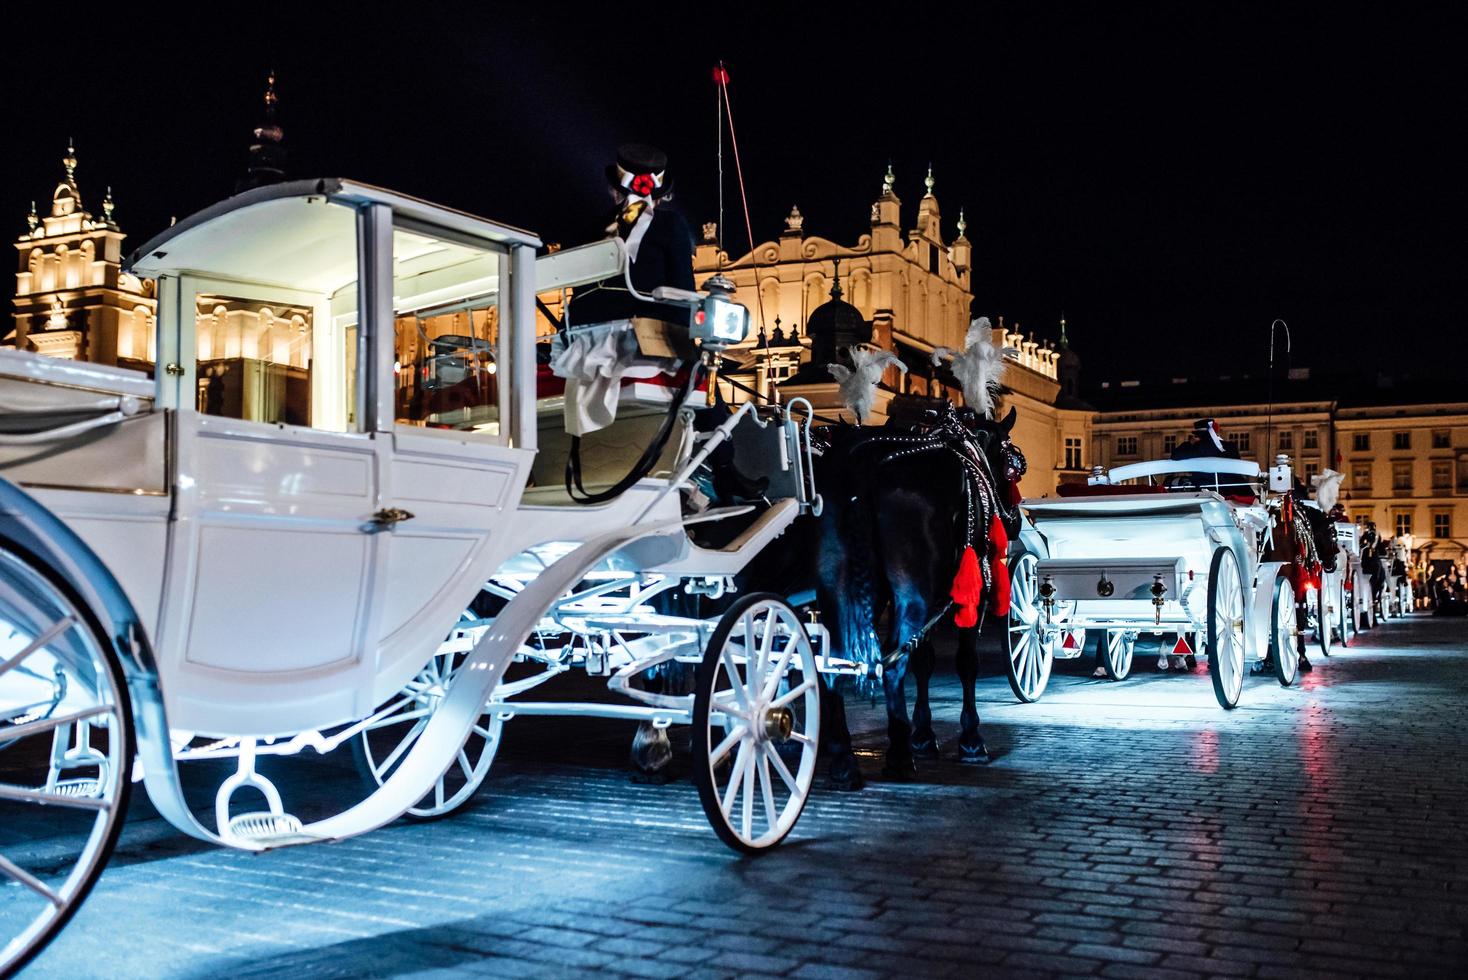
x,y
72,298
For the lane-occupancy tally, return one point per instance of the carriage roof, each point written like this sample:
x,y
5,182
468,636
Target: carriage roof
x,y
282,233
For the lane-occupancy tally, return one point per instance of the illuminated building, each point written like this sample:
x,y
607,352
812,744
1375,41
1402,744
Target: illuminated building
x,y
72,298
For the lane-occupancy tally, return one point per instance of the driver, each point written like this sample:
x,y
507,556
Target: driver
x,y
1204,442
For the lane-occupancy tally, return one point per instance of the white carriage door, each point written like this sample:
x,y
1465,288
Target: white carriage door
x,y
275,557
454,463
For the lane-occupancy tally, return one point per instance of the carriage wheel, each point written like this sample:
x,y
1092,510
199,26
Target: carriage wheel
x,y
66,751
1345,602
1031,646
1322,620
1116,654
1226,627
1284,631
756,723
385,742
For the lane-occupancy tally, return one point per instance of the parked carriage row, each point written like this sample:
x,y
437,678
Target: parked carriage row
x,y
294,542
1153,548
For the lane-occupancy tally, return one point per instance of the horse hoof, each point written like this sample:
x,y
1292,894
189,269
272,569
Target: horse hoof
x,y
900,771
1262,666
845,776
977,755
1305,665
651,777
926,748
1191,661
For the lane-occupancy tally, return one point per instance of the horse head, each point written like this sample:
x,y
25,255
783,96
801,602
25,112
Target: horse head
x,y
1006,461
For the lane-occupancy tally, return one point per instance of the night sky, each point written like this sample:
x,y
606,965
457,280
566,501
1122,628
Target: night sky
x,y
1171,177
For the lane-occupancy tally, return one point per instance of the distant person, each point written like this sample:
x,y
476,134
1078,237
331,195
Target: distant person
x,y
1204,442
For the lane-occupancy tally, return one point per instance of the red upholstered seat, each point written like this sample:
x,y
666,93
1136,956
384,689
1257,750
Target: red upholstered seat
x,y
1106,489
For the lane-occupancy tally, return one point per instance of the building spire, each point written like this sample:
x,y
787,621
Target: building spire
x,y
1064,340
267,156
928,181
69,161
963,227
107,207
836,279
888,181
33,220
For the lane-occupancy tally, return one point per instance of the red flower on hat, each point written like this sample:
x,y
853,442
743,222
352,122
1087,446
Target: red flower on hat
x,y
643,184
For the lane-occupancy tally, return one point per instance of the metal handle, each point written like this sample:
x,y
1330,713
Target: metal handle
x,y
385,519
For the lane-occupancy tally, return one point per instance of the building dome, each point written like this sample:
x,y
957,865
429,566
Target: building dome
x,y
834,326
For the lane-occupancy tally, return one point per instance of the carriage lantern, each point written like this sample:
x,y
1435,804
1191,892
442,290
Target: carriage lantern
x,y
1157,590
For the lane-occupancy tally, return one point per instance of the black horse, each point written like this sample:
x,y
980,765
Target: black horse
x,y
901,506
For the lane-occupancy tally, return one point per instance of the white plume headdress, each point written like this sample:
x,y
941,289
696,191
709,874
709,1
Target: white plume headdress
x,y
980,368
859,383
1327,488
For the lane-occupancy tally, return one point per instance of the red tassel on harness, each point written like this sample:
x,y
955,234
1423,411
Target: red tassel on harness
x,y
999,540
968,589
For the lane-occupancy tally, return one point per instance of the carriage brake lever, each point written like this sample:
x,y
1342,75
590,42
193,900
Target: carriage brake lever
x,y
1158,589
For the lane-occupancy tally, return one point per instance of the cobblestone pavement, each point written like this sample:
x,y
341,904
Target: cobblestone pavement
x,y
1123,830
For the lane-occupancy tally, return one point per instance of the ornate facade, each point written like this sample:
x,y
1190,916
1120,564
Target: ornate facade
x,y
71,297
913,293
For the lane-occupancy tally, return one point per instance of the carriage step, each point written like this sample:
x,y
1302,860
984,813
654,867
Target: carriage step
x,y
271,829
79,788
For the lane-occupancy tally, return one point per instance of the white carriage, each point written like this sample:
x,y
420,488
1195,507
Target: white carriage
x,y
1155,556
269,549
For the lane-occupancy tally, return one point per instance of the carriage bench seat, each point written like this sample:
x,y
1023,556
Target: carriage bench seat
x,y
1106,489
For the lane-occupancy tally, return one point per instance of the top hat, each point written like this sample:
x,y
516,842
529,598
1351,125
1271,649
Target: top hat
x,y
640,170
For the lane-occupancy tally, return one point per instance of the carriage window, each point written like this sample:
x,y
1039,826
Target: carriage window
x,y
254,359
447,312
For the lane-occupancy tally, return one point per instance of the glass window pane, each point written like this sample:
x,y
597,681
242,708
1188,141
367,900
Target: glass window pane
x,y
254,359
446,305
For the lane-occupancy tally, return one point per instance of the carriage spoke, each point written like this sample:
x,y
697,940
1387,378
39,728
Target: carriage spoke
x,y
465,767
438,793
47,724
722,749
736,686
767,791
16,872
736,774
402,746
20,794
748,815
794,692
781,768
774,678
802,738
483,733
51,633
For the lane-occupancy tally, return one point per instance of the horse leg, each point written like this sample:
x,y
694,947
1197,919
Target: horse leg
x,y
924,741
971,745
651,748
1302,619
899,763
844,772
